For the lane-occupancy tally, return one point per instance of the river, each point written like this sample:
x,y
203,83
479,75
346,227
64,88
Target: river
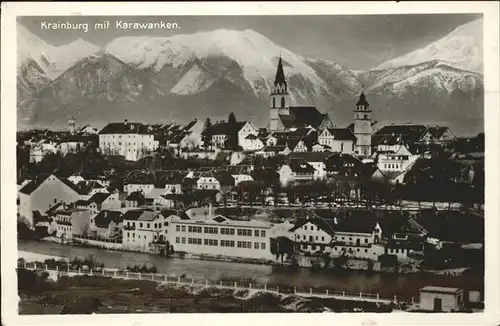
x,y
406,285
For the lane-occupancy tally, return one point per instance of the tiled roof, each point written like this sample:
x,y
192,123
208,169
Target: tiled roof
x,y
302,116
147,216
300,166
125,128
326,225
37,182
342,134
105,217
99,198
409,133
223,128
133,214
437,132
311,156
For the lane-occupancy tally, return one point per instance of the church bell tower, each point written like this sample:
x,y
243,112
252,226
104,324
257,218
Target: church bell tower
x,y
363,126
280,99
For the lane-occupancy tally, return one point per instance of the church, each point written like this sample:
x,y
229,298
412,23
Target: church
x,y
284,117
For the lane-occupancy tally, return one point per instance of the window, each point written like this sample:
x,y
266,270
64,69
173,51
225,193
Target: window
x,y
322,238
165,224
211,230
305,227
140,225
256,245
183,240
177,240
256,233
227,243
244,244
366,240
262,233
177,228
316,237
262,245
183,228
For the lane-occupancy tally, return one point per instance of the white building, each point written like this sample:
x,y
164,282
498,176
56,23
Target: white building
x,y
207,182
312,235
437,298
241,177
219,236
296,170
339,140
398,160
141,228
131,140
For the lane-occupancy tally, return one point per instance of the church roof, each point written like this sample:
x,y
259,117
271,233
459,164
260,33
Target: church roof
x,y
302,116
280,75
342,134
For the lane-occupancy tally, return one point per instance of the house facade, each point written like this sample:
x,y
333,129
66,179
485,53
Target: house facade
x,y
128,139
337,140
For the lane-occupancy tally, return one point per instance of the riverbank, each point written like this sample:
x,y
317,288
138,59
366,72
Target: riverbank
x,y
92,294
31,256
287,278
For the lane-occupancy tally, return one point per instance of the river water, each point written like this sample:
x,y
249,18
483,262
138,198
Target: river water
x,y
406,285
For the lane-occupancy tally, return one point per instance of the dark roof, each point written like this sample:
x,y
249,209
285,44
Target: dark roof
x,y
409,132
133,215
87,187
168,212
437,132
300,166
355,224
219,219
362,100
339,162
125,128
99,198
342,133
223,128
37,182
280,74
225,179
326,225
105,217
82,202
311,156
135,196
300,116
191,124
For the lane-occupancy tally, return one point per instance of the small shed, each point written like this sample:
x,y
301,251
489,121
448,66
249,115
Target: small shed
x,y
437,298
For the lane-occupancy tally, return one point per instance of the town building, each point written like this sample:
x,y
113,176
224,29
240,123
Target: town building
x,y
129,139
316,160
219,236
141,228
134,199
398,160
221,131
363,127
44,192
284,116
438,135
296,170
313,234
340,140
439,299
71,221
107,225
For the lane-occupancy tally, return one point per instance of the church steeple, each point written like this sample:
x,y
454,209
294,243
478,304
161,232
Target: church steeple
x,y
363,125
280,75
280,99
362,99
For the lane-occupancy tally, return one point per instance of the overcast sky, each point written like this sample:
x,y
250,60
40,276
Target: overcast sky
x,y
358,42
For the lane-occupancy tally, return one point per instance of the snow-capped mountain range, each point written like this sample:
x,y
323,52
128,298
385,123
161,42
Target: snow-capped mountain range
x,y
215,73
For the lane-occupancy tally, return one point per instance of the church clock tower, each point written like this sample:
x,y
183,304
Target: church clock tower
x,y
363,126
280,99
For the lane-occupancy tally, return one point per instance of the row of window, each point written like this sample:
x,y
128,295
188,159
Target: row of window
x,y
132,235
148,225
225,231
392,166
223,243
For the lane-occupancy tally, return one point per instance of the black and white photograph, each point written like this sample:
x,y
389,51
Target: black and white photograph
x,y
251,163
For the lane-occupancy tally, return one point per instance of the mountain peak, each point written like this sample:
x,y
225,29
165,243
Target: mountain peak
x,y
462,48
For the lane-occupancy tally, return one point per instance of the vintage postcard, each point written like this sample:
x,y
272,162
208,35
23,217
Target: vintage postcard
x,y
169,160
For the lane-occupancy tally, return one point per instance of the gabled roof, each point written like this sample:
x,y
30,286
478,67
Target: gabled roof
x,y
325,225
135,196
409,133
39,180
280,75
148,216
156,192
105,217
436,132
300,166
219,219
311,156
133,214
125,128
99,197
87,187
342,134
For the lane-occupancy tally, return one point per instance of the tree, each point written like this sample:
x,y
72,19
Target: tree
x,y
206,134
232,141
